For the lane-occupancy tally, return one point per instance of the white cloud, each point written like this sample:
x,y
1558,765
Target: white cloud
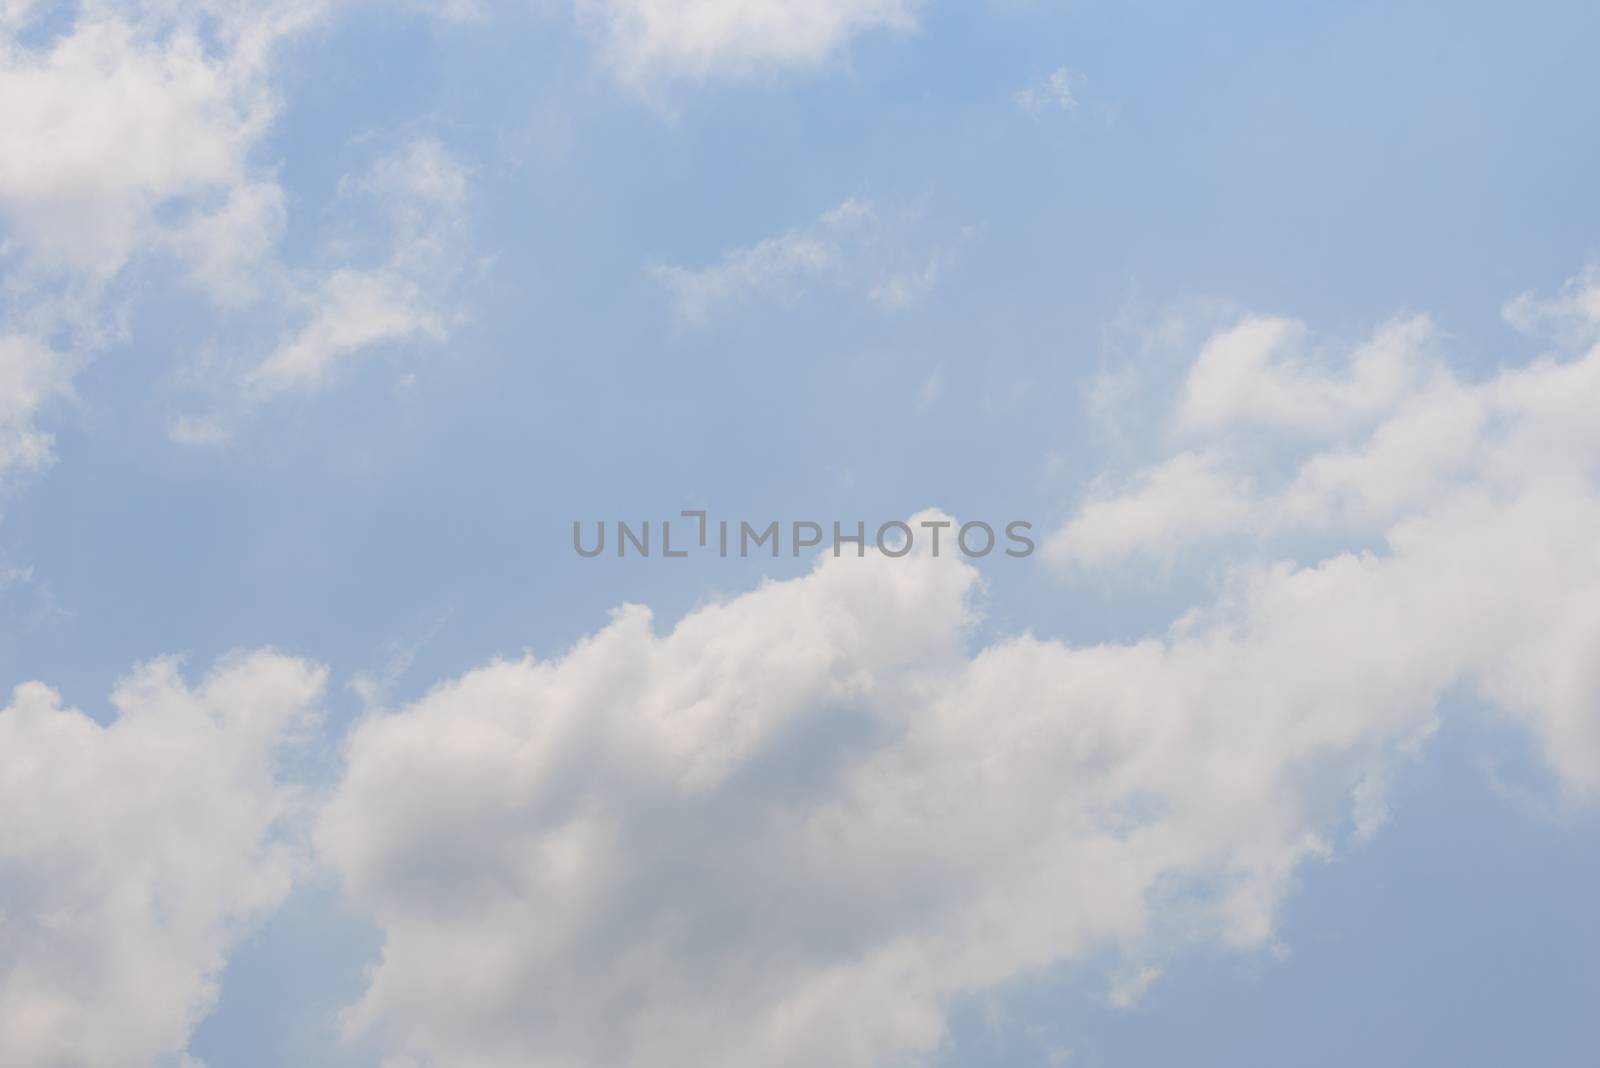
x,y
354,310
1250,375
112,119
793,828
850,246
1572,317
771,267
367,298
1480,497
229,250
699,39
1188,498
1267,434
128,115
906,289
1132,986
423,191
30,374
1053,93
134,856
128,139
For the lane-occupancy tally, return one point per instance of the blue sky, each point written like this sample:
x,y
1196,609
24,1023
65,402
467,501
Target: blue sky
x,y
323,322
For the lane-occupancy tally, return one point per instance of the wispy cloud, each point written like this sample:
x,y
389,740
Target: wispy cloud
x,y
850,247
647,40
1053,93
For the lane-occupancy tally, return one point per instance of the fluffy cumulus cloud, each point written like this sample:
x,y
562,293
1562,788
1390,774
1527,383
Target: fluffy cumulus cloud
x,y
792,828
132,107
1474,502
852,247
647,39
134,855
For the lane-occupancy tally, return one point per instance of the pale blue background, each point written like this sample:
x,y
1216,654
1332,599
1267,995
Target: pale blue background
x,y
1338,163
